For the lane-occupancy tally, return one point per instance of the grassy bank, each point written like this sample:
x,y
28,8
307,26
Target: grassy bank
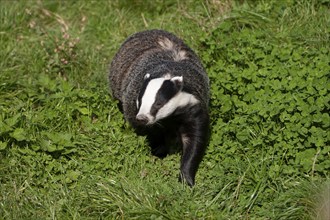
x,y
67,153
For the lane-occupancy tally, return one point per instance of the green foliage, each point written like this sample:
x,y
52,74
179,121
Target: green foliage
x,y
271,96
67,153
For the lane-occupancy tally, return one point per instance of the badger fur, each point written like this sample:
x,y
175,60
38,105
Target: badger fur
x,y
163,92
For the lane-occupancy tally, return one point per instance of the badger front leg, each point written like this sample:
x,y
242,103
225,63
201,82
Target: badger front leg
x,y
194,134
157,143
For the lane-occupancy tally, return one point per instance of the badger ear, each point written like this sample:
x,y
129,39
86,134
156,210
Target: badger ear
x,y
147,76
167,76
178,81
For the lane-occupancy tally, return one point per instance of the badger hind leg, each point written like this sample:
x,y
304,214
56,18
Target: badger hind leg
x,y
120,106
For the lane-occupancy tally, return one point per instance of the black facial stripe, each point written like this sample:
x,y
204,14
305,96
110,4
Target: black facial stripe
x,y
142,91
164,94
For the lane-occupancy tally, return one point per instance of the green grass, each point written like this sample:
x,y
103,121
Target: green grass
x,y
67,153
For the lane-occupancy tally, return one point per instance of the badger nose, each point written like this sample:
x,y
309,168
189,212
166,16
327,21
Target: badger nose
x,y
142,118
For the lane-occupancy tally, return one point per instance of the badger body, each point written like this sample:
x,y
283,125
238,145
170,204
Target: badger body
x,y
163,92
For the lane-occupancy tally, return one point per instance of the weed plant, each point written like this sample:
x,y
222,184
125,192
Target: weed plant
x,y
67,153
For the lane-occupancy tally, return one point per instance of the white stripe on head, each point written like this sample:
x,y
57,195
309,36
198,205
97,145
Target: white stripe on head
x,y
177,53
149,97
182,99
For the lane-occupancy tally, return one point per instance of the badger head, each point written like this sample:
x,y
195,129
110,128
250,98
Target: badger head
x,y
160,97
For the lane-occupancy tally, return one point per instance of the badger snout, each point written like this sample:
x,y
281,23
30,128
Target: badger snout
x,y
144,119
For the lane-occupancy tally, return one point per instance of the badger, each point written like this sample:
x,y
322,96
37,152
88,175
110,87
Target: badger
x,y
163,91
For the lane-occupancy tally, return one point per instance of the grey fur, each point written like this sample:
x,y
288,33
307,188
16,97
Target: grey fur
x,y
156,52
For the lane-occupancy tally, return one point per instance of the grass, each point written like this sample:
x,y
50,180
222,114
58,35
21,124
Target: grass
x,y
67,153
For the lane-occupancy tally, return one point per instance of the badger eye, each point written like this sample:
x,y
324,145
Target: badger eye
x,y
158,104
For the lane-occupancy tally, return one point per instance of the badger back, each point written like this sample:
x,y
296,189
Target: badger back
x,y
157,53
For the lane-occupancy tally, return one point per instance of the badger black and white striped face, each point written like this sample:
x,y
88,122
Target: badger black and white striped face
x,y
160,97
